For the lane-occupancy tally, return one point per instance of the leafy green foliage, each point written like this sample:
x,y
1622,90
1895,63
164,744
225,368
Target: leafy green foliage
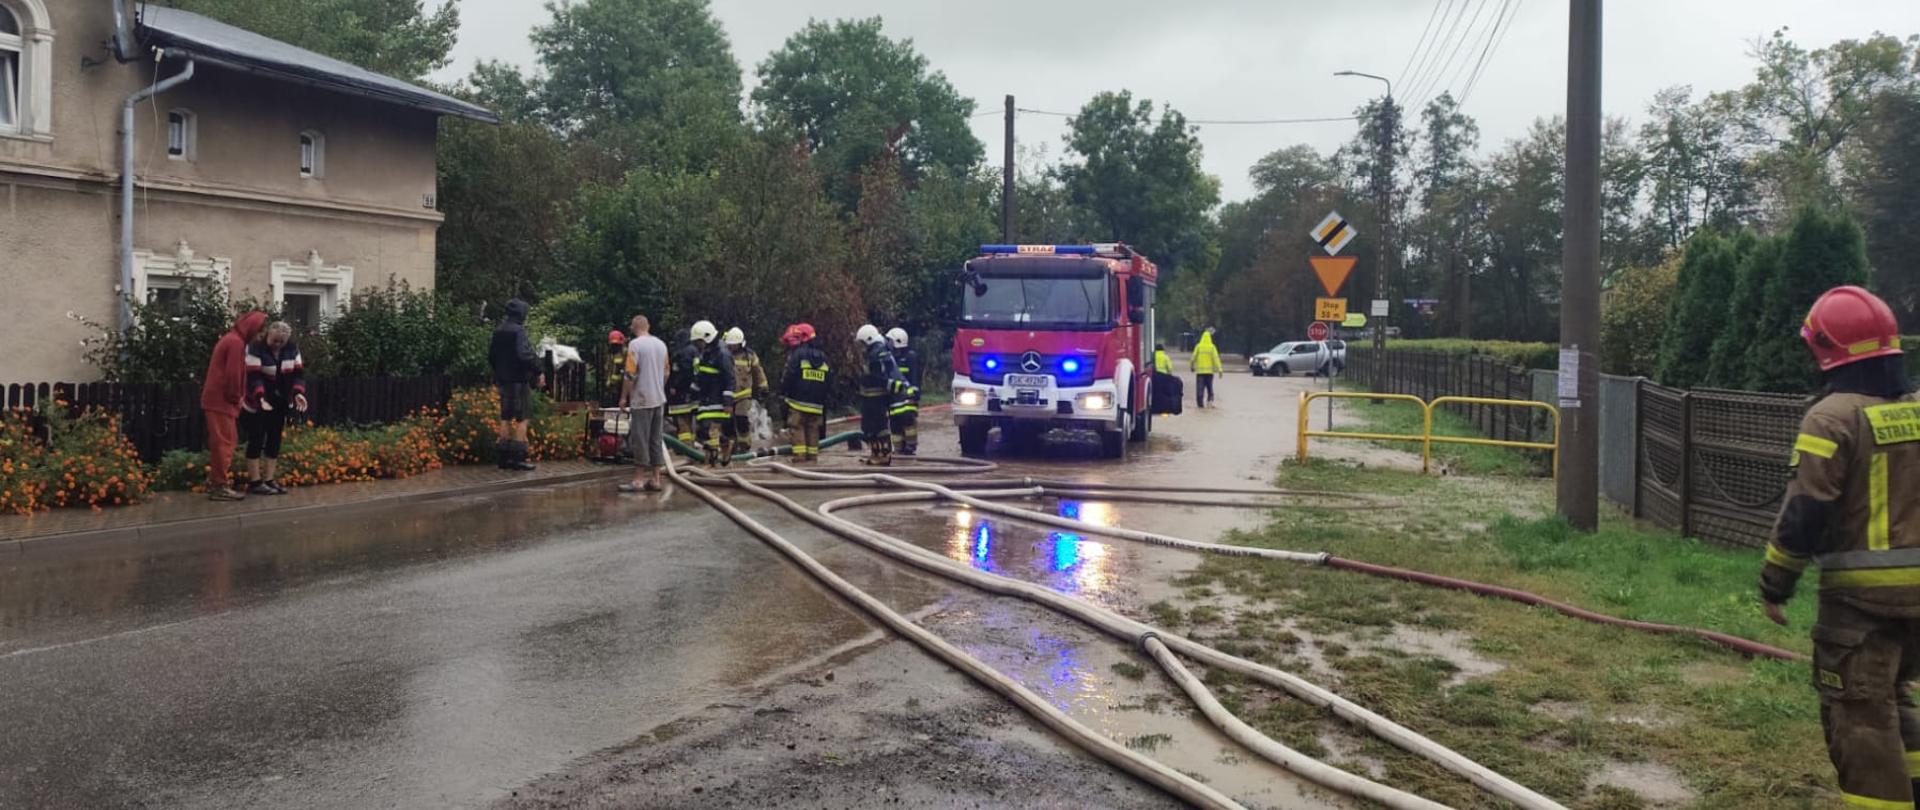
x,y
402,332
1740,327
857,96
1821,250
1708,271
168,341
1634,318
395,37
1140,177
653,77
1514,353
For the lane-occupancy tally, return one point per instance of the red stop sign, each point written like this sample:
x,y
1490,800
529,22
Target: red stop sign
x,y
1317,330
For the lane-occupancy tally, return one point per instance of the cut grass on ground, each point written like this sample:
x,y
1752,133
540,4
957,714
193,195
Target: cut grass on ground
x,y
1548,700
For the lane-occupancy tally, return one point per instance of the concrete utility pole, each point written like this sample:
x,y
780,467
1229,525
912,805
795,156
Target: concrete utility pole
x,y
1006,182
1578,487
1383,198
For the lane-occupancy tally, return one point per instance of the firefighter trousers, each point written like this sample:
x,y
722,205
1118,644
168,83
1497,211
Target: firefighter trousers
x,y
1864,666
680,423
808,430
903,421
716,434
873,424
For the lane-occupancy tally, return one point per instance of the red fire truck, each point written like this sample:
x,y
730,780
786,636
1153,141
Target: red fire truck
x,y
1055,336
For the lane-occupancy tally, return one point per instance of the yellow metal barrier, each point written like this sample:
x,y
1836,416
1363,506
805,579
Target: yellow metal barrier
x,y
1426,438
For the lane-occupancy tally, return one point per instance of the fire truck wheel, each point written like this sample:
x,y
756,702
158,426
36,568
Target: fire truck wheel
x,y
1142,425
1113,443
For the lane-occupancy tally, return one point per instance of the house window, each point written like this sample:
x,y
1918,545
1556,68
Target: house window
x,y
180,134
160,279
313,154
311,291
12,47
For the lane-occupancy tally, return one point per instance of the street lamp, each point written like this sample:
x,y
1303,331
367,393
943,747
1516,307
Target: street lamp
x,y
1385,200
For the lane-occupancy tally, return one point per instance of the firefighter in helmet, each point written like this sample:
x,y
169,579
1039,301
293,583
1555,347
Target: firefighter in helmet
x,y
1853,510
680,399
806,386
749,384
903,417
712,392
880,385
613,372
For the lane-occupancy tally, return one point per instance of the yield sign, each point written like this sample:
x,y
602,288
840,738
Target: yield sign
x,y
1332,271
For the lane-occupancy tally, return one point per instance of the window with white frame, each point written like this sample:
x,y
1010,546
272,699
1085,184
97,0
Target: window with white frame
x,y
160,278
26,74
313,154
181,134
312,291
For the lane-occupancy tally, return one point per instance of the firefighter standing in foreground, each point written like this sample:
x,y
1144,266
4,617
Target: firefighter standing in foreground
x,y
712,393
904,416
1853,509
880,384
749,384
806,386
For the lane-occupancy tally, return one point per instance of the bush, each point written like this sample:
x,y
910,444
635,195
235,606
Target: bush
x,y
166,343
466,431
1822,250
1525,355
1633,318
181,471
556,437
1708,273
67,461
399,331
311,455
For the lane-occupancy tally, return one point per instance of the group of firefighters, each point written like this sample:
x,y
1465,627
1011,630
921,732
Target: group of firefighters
x,y
713,382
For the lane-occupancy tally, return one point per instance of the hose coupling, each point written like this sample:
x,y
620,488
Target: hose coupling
x,y
1141,642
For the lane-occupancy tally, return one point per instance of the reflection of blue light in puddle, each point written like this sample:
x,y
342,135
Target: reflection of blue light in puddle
x,y
1097,514
1070,509
1066,550
983,546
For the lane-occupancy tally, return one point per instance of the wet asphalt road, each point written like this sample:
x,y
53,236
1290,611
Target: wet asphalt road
x,y
444,654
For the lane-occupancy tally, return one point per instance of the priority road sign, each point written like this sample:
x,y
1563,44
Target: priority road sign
x,y
1332,270
1317,331
1333,233
1330,309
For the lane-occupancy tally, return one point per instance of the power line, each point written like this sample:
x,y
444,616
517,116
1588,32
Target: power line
x,y
1486,40
1427,62
1223,122
1435,14
1493,46
1432,81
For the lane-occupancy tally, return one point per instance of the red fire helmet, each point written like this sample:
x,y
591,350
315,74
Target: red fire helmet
x,y
615,338
1849,324
797,334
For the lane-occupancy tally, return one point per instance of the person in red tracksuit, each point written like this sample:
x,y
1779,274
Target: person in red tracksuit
x,y
220,397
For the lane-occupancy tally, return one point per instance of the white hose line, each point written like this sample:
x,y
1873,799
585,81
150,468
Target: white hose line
x,y
1179,785
1112,623
1237,729
1131,630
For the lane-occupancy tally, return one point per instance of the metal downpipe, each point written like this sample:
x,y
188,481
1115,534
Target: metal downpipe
x,y
126,174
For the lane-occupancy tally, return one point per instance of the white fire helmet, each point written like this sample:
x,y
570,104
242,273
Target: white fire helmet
x,y
898,337
703,331
735,337
869,335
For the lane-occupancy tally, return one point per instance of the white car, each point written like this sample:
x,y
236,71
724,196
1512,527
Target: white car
x,y
1294,357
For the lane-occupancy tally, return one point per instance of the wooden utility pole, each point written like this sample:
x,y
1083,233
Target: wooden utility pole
x,y
1579,383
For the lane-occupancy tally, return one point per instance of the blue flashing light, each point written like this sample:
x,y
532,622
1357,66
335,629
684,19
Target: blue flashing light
x,y
1039,250
993,363
1070,365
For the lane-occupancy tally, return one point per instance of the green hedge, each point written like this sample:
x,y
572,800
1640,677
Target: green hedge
x,y
1525,355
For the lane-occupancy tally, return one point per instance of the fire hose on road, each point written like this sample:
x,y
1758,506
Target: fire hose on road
x,y
1159,645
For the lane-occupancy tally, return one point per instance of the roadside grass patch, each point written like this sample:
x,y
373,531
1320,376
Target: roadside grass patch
x,y
1571,701
1405,419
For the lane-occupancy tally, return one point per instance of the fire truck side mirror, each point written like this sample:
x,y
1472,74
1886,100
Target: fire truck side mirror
x,y
1137,315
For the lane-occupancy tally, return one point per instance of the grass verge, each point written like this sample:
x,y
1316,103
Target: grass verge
x,y
1399,417
1596,717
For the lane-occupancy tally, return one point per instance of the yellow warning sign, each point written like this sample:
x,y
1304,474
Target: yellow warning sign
x,y
1330,309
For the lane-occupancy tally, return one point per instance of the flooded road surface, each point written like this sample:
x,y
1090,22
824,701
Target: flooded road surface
x,y
447,654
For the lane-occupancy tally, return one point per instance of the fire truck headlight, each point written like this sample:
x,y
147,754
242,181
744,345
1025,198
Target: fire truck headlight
x,y
1095,402
969,397
1070,365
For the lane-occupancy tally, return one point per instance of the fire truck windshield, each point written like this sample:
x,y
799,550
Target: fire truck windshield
x,y
1038,301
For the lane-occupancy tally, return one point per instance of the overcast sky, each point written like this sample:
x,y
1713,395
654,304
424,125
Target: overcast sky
x,y
1262,59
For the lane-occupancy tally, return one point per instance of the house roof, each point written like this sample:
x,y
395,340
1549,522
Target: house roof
x,y
240,49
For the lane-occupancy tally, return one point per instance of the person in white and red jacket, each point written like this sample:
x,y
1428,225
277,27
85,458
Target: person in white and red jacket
x,y
276,384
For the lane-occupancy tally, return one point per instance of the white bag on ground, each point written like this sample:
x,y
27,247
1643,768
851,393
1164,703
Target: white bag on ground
x,y
762,423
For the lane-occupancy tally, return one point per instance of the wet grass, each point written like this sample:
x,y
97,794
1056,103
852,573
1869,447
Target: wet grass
x,y
1568,696
1148,742
1404,418
1129,670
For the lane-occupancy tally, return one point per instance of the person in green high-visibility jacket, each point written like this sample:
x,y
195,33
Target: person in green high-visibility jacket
x,y
1162,364
1206,365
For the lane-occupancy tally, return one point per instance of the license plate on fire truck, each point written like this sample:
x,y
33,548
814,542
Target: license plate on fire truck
x,y
1027,387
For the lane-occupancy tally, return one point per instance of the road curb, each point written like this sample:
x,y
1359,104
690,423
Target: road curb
x,y
196,528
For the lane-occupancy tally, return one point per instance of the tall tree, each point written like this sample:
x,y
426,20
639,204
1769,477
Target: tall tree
x,y
1822,250
395,37
1697,314
856,95
1442,236
1884,180
1805,105
1140,177
1761,260
1696,173
650,82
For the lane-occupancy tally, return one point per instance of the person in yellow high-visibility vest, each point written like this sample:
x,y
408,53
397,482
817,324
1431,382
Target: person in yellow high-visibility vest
x,y
1206,365
1162,364
1853,510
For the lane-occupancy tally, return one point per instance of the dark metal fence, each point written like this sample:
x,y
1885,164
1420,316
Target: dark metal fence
x,y
160,417
1710,464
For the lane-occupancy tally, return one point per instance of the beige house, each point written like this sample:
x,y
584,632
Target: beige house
x,y
283,174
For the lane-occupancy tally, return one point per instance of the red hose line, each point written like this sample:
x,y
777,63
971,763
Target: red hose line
x,y
1745,646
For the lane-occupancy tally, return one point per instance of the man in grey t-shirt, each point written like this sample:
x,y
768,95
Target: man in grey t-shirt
x,y
645,396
